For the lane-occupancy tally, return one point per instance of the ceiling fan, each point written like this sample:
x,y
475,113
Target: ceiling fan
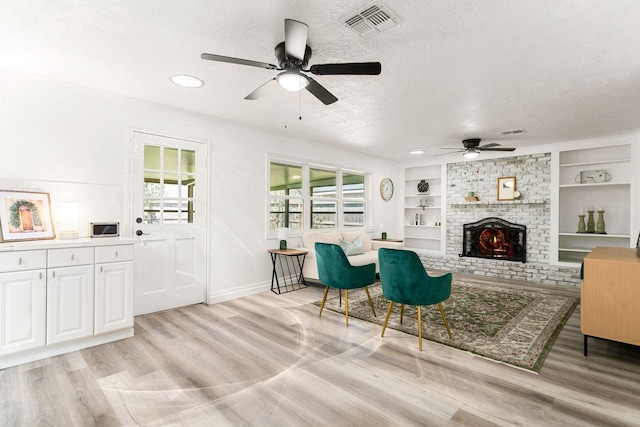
x,y
293,56
472,148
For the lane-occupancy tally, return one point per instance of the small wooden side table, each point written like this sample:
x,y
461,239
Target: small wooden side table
x,y
389,240
291,277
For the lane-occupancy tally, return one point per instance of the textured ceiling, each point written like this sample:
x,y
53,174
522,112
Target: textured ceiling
x,y
561,69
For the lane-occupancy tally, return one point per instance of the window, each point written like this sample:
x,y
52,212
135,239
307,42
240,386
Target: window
x,y
353,200
285,196
324,200
169,185
302,196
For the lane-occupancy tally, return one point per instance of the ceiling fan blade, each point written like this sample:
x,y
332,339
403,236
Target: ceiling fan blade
x,y
495,149
450,152
484,147
320,92
295,38
453,148
262,90
353,68
230,60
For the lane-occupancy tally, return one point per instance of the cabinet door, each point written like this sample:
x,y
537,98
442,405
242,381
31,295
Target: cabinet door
x,y
22,310
114,296
70,292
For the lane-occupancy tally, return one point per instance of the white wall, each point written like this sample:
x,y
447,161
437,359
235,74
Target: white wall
x,y
54,131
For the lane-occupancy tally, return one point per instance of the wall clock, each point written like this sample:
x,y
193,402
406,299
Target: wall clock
x,y
386,188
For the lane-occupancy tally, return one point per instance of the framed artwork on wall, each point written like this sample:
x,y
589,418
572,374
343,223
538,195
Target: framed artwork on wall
x,y
25,215
506,188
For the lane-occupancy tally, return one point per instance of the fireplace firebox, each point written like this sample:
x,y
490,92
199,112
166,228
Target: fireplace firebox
x,y
495,238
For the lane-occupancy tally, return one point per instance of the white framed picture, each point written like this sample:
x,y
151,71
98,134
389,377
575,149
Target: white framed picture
x,y
25,215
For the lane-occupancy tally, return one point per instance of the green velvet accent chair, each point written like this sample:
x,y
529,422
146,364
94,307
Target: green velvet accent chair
x,y
405,281
335,271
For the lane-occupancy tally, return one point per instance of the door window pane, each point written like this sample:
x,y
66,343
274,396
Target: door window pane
x,y
188,161
170,160
151,157
168,191
188,186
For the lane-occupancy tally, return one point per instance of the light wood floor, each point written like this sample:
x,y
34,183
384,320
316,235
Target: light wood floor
x,y
269,360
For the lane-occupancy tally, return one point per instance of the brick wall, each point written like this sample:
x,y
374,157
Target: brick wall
x,y
532,174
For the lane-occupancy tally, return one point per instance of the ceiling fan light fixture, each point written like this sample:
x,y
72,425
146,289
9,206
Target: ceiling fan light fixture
x,y
471,153
187,81
292,81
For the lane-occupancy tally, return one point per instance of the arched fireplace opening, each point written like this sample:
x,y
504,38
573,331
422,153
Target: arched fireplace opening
x,y
495,238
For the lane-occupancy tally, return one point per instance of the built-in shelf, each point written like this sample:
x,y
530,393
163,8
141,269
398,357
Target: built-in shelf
x,y
424,237
614,195
581,250
614,236
597,184
601,162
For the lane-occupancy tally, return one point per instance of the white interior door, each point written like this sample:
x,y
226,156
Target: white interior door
x,y
169,197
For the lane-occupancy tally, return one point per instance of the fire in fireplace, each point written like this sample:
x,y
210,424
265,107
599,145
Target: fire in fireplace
x,y
495,238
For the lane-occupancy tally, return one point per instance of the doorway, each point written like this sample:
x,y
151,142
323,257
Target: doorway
x,y
169,179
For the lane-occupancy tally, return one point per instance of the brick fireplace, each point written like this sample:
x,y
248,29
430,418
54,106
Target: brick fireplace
x,y
532,210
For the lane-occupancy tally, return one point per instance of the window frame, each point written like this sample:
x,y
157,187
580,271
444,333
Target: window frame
x,y
307,199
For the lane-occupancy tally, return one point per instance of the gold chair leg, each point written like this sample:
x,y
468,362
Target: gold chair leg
x,y
346,306
401,312
366,288
420,328
446,324
386,319
324,298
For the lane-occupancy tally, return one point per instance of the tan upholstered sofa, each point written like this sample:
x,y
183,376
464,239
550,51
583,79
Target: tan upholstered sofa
x,y
369,247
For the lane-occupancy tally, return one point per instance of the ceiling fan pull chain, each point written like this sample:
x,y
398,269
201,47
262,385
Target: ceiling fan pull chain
x,y
300,105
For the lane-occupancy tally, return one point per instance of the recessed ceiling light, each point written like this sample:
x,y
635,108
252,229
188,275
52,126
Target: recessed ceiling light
x,y
186,81
417,152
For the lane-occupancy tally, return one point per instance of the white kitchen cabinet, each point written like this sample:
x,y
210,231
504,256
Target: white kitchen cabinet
x,y
22,300
114,288
61,296
70,297
22,310
70,294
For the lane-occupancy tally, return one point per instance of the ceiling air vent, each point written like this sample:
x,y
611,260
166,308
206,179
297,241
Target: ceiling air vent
x,y
513,131
369,20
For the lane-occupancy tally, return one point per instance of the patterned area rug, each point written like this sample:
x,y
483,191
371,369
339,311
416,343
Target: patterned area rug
x,y
503,323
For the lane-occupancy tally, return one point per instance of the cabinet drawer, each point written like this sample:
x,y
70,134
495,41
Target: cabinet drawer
x,y
114,253
69,256
22,260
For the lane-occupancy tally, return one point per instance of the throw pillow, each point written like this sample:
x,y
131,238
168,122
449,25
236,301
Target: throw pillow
x,y
352,248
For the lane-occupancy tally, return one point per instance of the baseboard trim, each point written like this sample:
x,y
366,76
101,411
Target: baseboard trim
x,y
64,347
244,291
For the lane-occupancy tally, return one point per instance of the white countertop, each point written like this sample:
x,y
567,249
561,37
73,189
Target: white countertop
x,y
71,243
